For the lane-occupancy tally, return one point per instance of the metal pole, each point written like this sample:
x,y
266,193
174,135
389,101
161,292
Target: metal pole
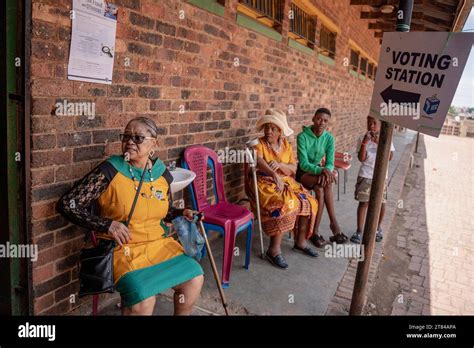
x,y
417,139
253,165
376,190
257,199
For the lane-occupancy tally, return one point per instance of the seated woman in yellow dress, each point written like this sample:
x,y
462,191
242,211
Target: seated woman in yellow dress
x,y
283,201
146,261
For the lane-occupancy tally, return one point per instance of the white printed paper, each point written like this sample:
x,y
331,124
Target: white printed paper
x,y
92,52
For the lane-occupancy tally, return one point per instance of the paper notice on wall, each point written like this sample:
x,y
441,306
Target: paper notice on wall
x,y
91,57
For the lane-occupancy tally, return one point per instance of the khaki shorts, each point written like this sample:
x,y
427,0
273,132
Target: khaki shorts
x,y
362,190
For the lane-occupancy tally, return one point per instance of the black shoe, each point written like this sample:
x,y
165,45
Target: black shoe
x,y
379,236
318,241
306,250
277,261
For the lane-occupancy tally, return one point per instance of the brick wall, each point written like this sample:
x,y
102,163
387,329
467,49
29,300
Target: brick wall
x,y
173,62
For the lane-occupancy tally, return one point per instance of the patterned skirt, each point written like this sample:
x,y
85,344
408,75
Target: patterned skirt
x,y
280,210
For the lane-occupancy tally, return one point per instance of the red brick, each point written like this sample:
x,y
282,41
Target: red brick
x,y
48,124
59,308
136,105
44,141
42,176
42,210
43,273
51,13
49,191
72,171
53,254
85,89
74,139
44,302
42,69
51,157
88,153
152,8
49,87
113,149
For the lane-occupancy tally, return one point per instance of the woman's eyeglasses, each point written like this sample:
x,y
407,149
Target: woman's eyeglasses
x,y
137,139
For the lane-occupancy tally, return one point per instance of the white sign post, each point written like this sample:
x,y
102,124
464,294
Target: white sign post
x,y
417,76
92,53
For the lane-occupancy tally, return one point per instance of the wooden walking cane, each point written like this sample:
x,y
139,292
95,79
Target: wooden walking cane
x,y
213,264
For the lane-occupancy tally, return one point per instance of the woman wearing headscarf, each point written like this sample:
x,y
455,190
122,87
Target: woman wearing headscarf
x,y
146,261
284,202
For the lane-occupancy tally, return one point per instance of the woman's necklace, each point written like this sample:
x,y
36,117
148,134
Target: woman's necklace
x,y
152,188
276,148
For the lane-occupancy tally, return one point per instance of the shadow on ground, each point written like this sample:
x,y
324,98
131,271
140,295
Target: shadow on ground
x,y
392,292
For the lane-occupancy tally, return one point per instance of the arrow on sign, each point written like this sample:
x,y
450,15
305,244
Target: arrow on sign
x,y
399,96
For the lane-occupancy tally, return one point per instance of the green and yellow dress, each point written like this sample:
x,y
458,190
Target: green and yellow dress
x,y
151,262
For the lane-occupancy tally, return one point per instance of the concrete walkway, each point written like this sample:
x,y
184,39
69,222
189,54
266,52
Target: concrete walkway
x,y
306,288
433,235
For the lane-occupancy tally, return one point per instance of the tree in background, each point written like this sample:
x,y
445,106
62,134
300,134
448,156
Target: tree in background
x,y
452,110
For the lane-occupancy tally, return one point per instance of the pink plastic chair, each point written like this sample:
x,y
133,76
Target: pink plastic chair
x,y
223,217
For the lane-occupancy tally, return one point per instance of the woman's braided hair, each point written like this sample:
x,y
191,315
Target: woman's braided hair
x,y
148,123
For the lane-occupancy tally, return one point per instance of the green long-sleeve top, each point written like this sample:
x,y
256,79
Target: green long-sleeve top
x,y
312,149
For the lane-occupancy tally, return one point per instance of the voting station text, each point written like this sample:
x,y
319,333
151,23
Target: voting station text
x,y
418,60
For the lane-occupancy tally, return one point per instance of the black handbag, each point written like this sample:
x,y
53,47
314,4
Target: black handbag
x,y
96,265
96,274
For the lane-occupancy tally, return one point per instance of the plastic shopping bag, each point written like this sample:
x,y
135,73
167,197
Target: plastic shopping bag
x,y
189,236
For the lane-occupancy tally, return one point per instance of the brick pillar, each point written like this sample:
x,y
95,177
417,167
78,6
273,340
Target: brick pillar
x,y
286,20
231,9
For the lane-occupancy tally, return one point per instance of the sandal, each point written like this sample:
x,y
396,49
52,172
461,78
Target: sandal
x,y
277,260
306,251
356,238
318,241
339,238
379,236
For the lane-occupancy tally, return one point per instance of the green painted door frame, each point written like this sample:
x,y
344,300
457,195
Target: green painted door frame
x,y
15,273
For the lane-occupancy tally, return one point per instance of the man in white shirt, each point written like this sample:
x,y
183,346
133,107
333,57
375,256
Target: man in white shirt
x,y
367,146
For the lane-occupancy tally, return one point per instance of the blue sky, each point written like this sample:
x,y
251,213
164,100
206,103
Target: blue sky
x,y
465,93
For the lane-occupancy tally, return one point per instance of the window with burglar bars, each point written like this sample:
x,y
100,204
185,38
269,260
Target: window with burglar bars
x,y
355,61
303,25
327,42
363,66
271,9
370,71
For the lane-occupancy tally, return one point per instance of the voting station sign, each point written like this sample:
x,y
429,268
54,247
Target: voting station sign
x,y
417,76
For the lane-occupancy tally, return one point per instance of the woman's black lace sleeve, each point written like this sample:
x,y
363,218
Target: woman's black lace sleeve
x,y
173,212
77,205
